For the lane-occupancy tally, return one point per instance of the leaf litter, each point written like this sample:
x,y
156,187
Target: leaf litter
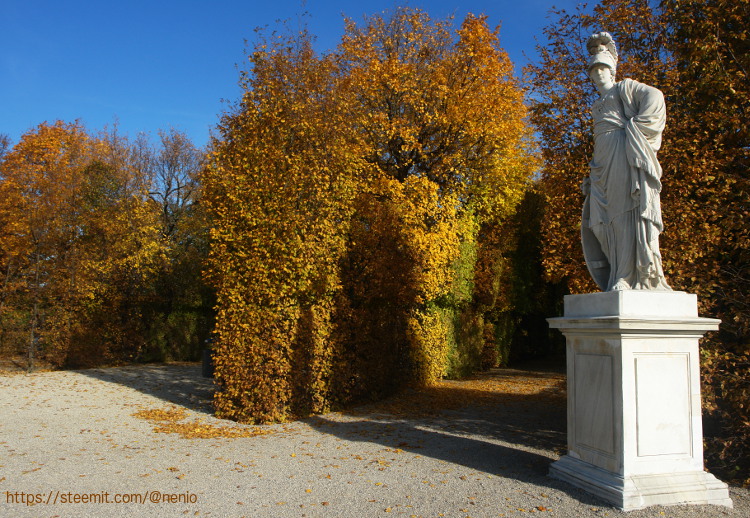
x,y
497,386
170,420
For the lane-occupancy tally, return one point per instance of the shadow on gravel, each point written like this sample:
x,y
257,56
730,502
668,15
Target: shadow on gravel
x,y
495,433
487,428
178,384
518,439
481,454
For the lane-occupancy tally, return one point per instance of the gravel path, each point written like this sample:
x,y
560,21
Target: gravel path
x,y
70,435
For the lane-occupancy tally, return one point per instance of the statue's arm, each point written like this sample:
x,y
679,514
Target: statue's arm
x,y
651,106
645,108
586,186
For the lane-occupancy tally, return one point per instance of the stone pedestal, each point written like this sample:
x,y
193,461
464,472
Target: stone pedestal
x,y
635,435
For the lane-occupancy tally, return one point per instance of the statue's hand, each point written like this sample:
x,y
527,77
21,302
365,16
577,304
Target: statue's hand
x,y
586,186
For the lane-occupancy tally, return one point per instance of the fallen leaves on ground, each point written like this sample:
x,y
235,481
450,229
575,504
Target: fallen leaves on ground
x,y
497,386
169,421
162,415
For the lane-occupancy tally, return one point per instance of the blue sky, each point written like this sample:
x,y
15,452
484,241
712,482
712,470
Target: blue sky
x,y
155,64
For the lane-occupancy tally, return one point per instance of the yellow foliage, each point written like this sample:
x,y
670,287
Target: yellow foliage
x,y
428,336
168,421
75,229
347,192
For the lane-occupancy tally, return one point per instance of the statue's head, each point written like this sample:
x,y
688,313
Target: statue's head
x,y
603,59
602,51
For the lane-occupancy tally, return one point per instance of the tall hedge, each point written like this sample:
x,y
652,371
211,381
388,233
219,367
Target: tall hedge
x,y
350,193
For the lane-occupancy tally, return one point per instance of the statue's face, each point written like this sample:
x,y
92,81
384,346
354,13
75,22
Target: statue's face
x,y
601,75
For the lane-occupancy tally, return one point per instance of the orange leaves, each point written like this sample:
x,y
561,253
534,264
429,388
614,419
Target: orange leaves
x,y
446,109
162,415
485,389
72,213
279,186
168,421
347,193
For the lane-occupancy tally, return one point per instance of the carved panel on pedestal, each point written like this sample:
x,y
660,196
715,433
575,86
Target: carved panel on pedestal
x,y
663,406
594,403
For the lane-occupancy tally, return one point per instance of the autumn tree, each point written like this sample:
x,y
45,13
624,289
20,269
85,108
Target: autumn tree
x,y
710,161
349,193
174,168
444,107
75,225
181,313
280,187
38,217
5,144
171,306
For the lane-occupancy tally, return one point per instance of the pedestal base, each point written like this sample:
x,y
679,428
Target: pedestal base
x,y
639,491
635,436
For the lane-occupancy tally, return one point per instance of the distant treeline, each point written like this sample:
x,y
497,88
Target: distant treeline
x,y
102,241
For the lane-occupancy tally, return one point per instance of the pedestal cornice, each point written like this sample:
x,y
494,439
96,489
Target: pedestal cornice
x,y
631,324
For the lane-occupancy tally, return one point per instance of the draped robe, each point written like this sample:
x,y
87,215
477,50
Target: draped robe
x,y
622,213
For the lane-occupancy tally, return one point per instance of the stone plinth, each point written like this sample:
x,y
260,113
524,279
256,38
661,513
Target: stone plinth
x,y
635,435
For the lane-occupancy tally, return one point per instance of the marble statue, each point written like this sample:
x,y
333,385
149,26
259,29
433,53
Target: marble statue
x,y
622,213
